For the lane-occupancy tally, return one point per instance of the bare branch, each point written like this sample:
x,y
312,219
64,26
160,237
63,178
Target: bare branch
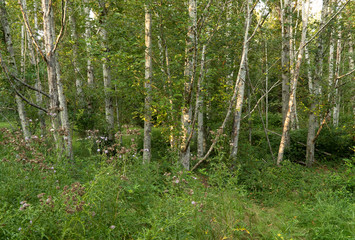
x,y
29,86
64,12
326,24
260,23
14,88
30,31
257,103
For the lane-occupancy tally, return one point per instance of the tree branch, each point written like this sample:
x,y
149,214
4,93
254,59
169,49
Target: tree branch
x,y
30,31
14,88
326,24
64,12
29,86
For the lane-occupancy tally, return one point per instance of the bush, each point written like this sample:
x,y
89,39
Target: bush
x,y
335,141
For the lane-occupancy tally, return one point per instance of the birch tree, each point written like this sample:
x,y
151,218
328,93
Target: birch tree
x,y
336,108
58,104
189,74
75,61
147,85
285,55
241,78
12,61
314,89
286,127
106,71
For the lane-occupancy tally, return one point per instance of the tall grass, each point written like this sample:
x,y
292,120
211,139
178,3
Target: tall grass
x,y
114,196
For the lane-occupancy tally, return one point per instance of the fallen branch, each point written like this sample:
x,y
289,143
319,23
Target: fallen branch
x,y
305,145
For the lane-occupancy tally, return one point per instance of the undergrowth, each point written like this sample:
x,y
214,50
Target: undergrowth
x,y
107,193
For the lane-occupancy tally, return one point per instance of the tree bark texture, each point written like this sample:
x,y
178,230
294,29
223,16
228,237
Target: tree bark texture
x,y
106,71
241,78
189,74
58,103
148,86
314,90
286,127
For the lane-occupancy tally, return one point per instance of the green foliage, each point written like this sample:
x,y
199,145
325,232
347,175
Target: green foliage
x,y
335,141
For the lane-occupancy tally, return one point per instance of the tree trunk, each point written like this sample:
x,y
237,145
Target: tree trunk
x,y
351,66
286,127
57,99
331,65
200,103
13,67
189,74
266,88
285,56
109,111
89,68
148,86
75,61
241,78
314,90
38,85
336,108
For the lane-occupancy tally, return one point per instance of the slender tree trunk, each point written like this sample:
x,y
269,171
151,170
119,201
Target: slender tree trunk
x,y
266,88
285,56
38,85
200,114
292,37
57,99
189,74
314,90
75,61
165,62
109,111
8,40
351,65
331,65
229,62
148,86
241,78
89,68
336,108
286,127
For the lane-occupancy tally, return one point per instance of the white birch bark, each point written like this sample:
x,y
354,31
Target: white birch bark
x,y
336,108
331,65
189,79
38,85
109,111
200,104
241,78
89,67
314,89
57,102
13,67
286,127
75,61
285,55
229,61
148,86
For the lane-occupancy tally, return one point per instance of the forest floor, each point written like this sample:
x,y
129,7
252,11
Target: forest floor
x,y
114,196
